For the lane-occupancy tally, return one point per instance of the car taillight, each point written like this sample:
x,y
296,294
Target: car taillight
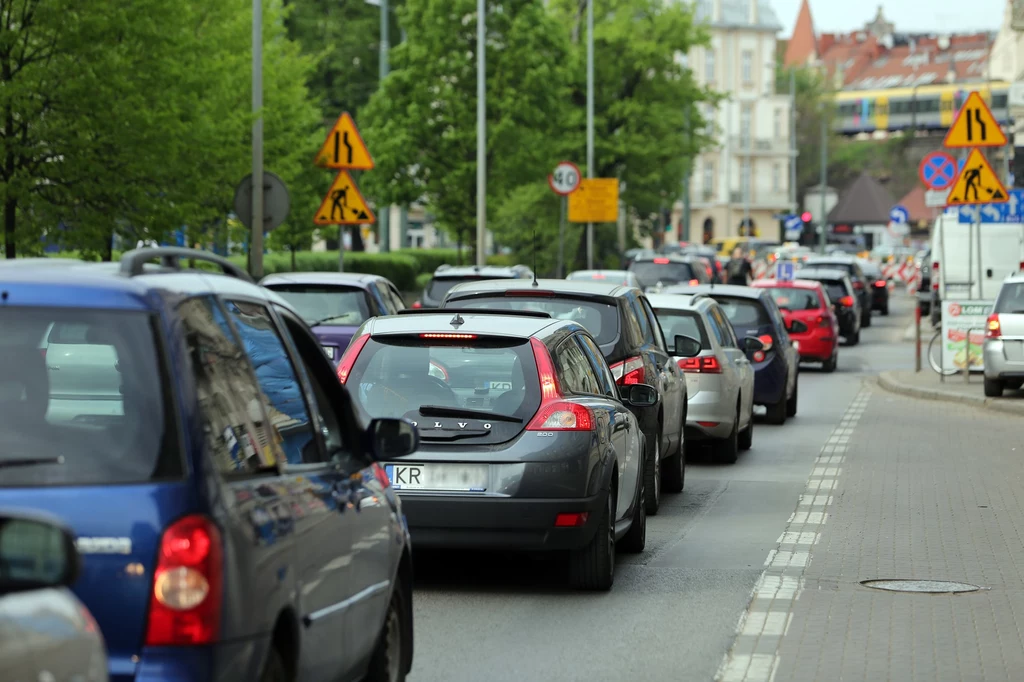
x,y
447,335
555,414
417,304
858,285
694,282
993,330
349,357
846,301
704,365
880,283
767,340
630,371
661,261
824,321
184,607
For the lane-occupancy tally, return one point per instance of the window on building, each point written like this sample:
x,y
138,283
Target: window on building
x,y
776,177
777,124
709,179
709,65
747,67
745,116
745,180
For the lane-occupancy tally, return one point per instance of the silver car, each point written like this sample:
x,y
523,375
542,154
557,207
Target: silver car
x,y
1004,339
720,379
45,632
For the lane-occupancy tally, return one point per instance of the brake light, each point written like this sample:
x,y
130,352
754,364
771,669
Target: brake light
x,y
880,283
348,358
630,371
694,282
184,607
661,261
846,301
767,340
704,365
447,335
858,284
993,330
824,321
555,414
599,275
417,304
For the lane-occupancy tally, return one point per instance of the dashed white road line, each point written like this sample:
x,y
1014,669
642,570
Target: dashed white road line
x,y
766,620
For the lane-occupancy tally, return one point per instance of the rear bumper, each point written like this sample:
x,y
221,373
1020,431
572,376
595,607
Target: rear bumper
x,y
223,662
770,381
715,410
471,522
1000,362
880,297
817,347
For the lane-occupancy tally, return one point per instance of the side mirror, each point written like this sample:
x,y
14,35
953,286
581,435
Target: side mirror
x,y
36,553
752,344
685,346
391,438
640,395
797,327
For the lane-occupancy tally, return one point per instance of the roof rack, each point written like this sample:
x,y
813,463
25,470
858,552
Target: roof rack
x,y
133,262
475,311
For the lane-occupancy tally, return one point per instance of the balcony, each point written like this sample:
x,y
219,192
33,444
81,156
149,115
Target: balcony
x,y
762,197
742,144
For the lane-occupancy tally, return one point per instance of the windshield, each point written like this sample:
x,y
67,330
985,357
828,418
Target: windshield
x,y
325,304
439,286
681,323
649,273
795,299
744,312
1011,298
83,389
600,319
395,377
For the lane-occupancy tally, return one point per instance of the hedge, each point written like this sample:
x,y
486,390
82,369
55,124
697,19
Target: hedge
x,y
400,269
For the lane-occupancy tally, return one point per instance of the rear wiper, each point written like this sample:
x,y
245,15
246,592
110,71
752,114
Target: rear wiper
x,y
439,411
29,461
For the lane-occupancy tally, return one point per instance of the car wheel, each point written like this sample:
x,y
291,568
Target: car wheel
x,y
593,567
387,661
747,435
635,540
993,388
652,478
776,414
673,474
830,364
791,403
866,321
885,309
854,338
729,448
275,670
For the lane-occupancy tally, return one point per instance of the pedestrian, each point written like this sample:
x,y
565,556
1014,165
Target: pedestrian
x,y
738,268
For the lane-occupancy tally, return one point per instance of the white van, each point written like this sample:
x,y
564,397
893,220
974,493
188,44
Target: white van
x,y
955,261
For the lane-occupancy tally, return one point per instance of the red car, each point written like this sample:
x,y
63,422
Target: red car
x,y
806,301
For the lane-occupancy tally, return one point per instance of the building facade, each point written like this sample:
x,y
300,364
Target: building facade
x,y
744,179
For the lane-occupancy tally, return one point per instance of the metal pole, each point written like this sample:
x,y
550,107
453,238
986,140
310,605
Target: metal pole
x,y
385,67
561,238
481,132
590,121
256,242
917,336
792,140
936,298
970,254
823,179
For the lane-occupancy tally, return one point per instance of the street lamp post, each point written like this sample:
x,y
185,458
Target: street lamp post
x,y
481,133
385,69
590,121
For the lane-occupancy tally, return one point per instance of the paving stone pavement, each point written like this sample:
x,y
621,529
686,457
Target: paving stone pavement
x,y
916,489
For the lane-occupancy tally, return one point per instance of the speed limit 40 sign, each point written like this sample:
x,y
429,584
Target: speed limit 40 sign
x,y
565,179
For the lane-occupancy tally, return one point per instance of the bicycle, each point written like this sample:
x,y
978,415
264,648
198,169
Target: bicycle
x,y
935,355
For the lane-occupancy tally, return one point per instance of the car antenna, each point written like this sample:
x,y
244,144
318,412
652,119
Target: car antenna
x,y
533,239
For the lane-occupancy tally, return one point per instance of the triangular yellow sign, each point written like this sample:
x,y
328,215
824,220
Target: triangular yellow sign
x,y
976,184
344,205
975,126
344,147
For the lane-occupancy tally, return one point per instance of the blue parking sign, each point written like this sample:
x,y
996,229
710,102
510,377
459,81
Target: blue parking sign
x,y
784,271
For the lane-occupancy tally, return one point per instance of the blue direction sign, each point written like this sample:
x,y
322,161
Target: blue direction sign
x,y
899,215
938,170
784,270
1010,211
794,226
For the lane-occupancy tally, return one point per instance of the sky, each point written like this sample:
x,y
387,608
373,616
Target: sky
x,y
912,16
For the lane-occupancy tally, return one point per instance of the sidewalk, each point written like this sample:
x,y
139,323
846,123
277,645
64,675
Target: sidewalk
x,y
926,384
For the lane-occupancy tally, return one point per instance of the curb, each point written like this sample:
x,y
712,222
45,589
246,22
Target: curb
x,y
887,381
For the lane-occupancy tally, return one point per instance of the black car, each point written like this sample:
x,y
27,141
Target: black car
x,y
878,284
843,296
622,322
447,276
526,441
711,255
654,272
851,266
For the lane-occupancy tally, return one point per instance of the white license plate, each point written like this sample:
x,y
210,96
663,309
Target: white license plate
x,y
448,477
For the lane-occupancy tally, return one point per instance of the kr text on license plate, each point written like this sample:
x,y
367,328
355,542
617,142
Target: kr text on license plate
x,y
445,477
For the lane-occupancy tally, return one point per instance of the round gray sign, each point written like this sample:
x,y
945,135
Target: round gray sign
x,y
276,201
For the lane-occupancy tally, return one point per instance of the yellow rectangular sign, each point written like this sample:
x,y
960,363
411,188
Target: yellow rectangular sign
x,y
595,201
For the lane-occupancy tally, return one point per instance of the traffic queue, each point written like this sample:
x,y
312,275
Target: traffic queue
x,y
178,441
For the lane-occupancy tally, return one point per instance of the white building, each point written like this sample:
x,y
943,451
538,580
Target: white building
x,y
747,174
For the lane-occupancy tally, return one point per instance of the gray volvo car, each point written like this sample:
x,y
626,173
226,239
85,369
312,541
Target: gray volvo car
x,y
526,441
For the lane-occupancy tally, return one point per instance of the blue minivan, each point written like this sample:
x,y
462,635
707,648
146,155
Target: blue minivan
x,y
224,490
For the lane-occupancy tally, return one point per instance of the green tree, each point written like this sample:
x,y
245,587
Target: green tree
x,y
421,125
814,105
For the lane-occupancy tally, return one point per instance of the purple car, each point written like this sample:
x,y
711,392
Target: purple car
x,y
334,304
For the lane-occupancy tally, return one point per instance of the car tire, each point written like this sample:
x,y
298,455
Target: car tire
x,y
387,664
830,364
634,541
993,388
593,567
275,669
791,404
673,473
746,437
865,321
776,414
652,478
854,339
729,447
885,310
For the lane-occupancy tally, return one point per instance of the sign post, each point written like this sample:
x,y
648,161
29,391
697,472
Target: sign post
x,y
564,180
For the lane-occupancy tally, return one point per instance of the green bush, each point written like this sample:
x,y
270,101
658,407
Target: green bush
x,y
422,280
429,259
401,270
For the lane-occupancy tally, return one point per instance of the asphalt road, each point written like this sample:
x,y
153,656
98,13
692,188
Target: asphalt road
x,y
673,611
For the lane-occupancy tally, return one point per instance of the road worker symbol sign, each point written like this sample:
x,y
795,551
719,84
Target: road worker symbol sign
x,y
344,147
975,126
976,184
344,205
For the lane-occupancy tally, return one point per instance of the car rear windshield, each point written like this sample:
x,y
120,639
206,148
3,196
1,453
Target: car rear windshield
x,y
439,286
834,265
744,312
1011,298
326,304
795,299
483,390
681,323
82,399
835,289
649,273
600,319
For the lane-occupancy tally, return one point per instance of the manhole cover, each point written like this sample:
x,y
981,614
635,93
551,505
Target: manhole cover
x,y
925,586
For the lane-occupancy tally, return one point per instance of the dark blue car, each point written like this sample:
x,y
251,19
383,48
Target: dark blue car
x,y
753,312
223,488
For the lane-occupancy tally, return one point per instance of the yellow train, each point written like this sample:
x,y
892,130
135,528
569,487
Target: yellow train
x,y
924,107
